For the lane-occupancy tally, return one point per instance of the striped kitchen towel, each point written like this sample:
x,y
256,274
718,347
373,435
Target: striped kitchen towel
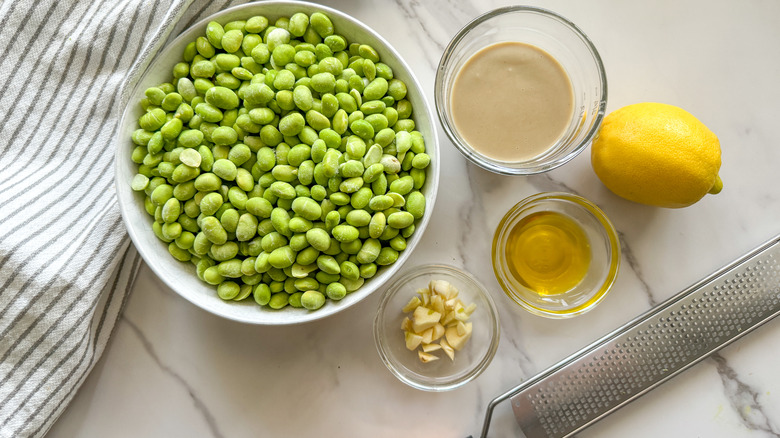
x,y
66,262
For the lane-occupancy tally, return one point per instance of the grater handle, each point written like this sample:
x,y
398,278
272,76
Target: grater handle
x,y
649,350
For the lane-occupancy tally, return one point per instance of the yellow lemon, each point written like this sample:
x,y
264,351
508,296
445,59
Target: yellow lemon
x,y
657,154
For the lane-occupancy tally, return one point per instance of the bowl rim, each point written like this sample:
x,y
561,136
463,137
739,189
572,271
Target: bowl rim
x,y
607,229
478,159
380,335
266,8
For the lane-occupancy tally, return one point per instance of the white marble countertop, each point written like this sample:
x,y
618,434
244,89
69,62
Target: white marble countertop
x,y
174,370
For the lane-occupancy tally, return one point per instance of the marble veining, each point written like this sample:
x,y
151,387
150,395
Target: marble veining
x,y
744,399
629,259
174,370
148,348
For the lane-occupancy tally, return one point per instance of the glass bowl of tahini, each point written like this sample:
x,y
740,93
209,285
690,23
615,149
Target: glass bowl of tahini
x,y
520,90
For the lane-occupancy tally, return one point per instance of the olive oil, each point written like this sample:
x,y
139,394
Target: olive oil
x,y
548,253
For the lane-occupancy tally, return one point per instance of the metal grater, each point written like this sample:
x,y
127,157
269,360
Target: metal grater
x,y
632,360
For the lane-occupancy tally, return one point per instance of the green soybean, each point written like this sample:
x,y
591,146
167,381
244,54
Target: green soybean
x,y
336,291
312,299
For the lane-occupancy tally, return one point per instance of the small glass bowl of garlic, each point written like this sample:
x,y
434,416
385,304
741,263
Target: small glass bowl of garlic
x,y
436,327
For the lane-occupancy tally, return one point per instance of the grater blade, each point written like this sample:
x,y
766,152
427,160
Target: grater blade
x,y
656,346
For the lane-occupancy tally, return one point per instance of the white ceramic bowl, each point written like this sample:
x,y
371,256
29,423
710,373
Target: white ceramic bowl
x,y
180,276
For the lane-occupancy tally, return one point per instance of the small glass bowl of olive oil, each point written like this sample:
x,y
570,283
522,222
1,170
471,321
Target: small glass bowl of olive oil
x,y
556,254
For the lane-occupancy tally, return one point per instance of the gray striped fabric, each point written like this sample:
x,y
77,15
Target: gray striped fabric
x,y
66,263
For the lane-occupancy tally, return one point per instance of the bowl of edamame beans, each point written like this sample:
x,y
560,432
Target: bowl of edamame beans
x,y
277,163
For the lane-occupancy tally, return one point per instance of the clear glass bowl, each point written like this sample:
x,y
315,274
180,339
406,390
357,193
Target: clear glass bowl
x,y
563,41
442,374
604,256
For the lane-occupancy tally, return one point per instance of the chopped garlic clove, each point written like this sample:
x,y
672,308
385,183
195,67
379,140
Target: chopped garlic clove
x,y
406,324
426,357
444,288
427,336
424,318
448,318
456,340
460,313
445,346
437,304
438,286
430,347
425,296
450,304
438,331
413,340
411,305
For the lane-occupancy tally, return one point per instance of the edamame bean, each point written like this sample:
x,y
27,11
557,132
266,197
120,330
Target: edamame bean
x,y
358,218
224,135
336,291
321,24
353,247
214,33
280,219
246,228
152,120
362,129
323,82
259,207
387,256
377,225
178,253
370,251
390,164
307,208
256,24
213,230
328,264
275,37
403,185
212,277
401,219
224,169
418,177
351,185
262,294
228,217
308,255
398,243
319,240
415,204
230,268
368,270
201,245
349,270
228,290
312,300
282,257
278,300
184,192
171,210
160,194
139,182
